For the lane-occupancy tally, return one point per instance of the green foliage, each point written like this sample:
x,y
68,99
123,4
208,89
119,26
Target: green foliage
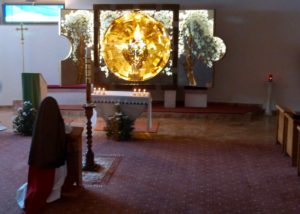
x,y
119,126
23,122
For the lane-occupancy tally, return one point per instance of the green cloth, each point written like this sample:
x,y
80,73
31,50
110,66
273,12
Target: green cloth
x,y
31,88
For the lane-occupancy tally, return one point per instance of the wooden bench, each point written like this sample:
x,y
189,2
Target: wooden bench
x,y
280,128
298,155
291,139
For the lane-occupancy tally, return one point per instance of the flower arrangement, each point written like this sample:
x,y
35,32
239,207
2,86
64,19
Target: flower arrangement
x,y
196,33
78,25
196,41
23,122
119,126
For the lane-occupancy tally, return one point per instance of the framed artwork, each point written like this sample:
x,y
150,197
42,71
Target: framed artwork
x,y
136,44
146,45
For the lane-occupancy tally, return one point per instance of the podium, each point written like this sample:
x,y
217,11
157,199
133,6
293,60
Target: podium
x,y
74,158
34,88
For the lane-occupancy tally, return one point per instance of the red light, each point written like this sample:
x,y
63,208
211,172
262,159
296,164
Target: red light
x,y
270,78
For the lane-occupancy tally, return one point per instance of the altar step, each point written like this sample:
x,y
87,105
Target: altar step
x,y
158,109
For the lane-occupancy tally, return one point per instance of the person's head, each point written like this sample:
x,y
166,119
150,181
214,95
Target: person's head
x,y
48,113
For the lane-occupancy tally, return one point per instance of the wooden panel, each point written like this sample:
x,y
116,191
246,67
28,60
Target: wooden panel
x,y
74,159
280,127
291,137
280,130
290,134
298,154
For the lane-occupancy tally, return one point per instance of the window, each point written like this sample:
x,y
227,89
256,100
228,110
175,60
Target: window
x,y
32,13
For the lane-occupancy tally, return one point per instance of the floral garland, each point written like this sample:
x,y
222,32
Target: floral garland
x,y
76,25
196,26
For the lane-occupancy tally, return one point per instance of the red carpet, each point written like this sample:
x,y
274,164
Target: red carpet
x,y
140,125
230,166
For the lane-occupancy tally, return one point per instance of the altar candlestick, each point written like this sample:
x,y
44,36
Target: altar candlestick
x,y
90,164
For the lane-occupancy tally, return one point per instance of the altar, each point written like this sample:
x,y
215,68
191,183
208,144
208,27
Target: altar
x,y
133,104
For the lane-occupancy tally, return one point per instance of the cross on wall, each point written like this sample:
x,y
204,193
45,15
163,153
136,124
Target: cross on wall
x,y
22,29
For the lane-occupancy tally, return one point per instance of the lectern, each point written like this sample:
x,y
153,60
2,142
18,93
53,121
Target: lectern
x,y
34,88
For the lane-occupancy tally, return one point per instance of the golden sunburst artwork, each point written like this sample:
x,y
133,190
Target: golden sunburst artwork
x,y
136,47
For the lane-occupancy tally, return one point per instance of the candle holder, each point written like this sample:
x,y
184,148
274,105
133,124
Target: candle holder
x,y
89,164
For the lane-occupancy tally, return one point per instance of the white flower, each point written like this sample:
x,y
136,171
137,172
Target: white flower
x,y
78,25
196,26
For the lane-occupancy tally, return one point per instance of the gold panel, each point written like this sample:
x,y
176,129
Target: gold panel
x,y
136,47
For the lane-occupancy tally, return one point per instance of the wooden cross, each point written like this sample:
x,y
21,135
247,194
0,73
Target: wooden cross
x,y
22,29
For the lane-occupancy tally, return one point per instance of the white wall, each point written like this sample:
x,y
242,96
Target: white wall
x,y
44,49
261,37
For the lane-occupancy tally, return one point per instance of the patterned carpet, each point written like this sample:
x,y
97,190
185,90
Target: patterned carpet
x,y
108,164
206,165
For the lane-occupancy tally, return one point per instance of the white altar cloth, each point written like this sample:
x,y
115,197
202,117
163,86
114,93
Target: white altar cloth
x,y
130,102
